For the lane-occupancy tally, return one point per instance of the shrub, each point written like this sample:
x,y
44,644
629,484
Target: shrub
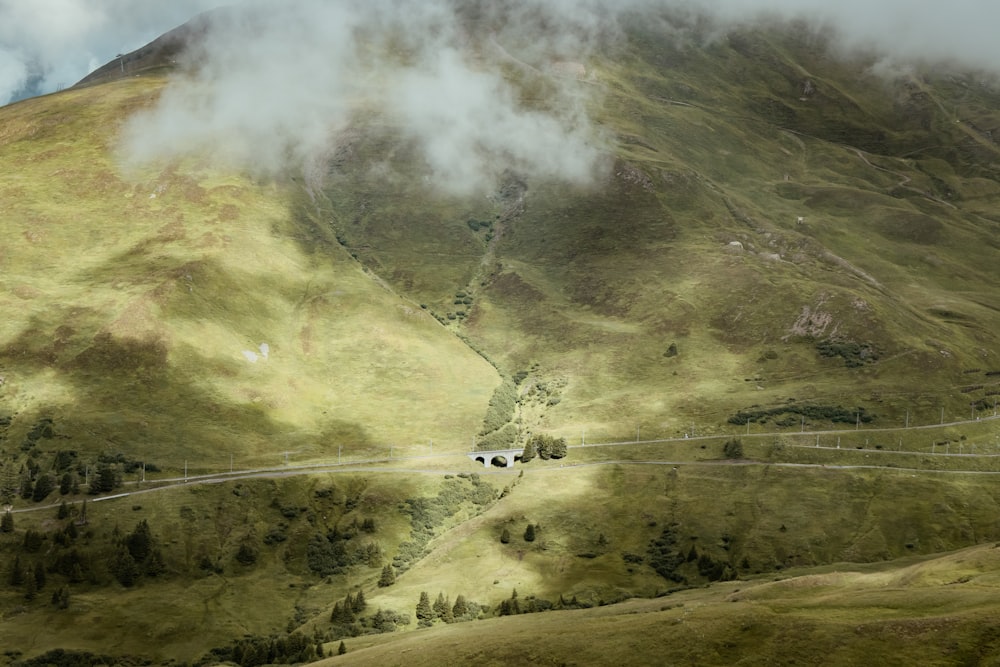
x,y
246,555
388,577
501,407
733,449
546,447
425,614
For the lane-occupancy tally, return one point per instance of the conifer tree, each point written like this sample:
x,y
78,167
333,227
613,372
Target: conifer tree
x,y
60,598
17,572
7,523
359,602
388,577
39,575
460,608
155,564
63,510
27,488
342,649
124,567
140,541
65,484
529,533
43,487
425,615
529,451
505,536
440,605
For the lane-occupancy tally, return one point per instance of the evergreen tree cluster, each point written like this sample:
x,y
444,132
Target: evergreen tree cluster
x,y
252,651
347,619
136,556
442,609
544,447
334,552
388,576
667,558
56,553
529,605
346,613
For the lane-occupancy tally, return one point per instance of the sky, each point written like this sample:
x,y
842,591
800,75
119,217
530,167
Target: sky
x,y
46,45
315,65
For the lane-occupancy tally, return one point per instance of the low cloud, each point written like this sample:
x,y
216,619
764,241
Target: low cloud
x,y
275,84
479,87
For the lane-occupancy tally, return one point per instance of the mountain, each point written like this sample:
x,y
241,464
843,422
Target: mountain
x,y
785,246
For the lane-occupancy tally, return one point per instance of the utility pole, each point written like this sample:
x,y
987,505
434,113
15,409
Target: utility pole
x,y
907,418
857,420
942,415
230,463
143,471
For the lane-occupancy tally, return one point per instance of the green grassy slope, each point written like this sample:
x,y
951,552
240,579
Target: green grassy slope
x,y
862,208
934,612
131,303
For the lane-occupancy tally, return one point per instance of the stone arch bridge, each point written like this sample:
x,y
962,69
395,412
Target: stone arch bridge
x,y
502,458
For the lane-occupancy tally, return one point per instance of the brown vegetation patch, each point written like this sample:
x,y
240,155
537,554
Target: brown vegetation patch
x,y
142,359
228,213
26,292
513,289
591,290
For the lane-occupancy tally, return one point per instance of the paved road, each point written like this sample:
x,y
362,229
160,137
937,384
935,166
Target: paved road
x,y
373,466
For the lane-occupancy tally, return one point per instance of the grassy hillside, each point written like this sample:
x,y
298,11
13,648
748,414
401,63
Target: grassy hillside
x,y
182,314
794,225
936,611
785,249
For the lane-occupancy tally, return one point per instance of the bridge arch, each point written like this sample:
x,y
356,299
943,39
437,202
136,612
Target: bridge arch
x,y
499,458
